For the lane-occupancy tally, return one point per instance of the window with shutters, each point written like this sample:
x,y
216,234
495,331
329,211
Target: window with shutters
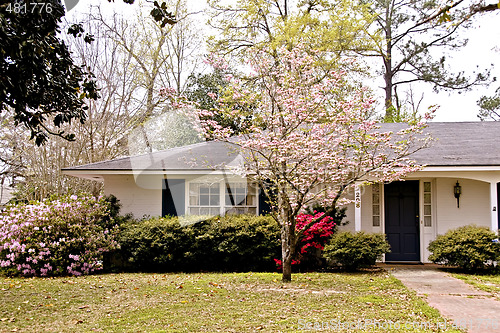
x,y
236,198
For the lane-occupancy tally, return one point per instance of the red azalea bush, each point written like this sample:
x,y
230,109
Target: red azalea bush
x,y
313,240
318,234
58,236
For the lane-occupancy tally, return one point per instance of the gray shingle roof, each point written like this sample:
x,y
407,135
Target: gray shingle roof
x,y
455,144
461,144
199,156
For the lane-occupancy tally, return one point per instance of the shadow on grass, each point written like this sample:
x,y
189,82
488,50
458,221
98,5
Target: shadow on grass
x,y
481,272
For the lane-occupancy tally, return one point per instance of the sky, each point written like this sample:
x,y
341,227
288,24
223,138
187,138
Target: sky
x,y
483,50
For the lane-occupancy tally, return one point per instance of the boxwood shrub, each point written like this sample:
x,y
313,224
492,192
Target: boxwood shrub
x,y
351,251
469,247
231,243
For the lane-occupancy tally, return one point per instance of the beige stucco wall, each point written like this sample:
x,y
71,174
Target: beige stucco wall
x,y
138,199
474,204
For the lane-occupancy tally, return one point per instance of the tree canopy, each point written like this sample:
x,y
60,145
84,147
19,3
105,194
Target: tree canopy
x,y
407,35
489,107
336,27
407,39
39,80
40,84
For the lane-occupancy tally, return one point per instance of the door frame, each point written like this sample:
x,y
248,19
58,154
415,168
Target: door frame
x,y
420,208
427,234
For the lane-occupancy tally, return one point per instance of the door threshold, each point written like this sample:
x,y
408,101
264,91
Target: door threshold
x,y
404,262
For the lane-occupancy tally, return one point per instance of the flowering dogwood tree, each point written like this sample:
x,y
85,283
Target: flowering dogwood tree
x,y
311,140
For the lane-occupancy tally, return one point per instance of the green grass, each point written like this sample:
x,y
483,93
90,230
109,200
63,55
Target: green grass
x,y
487,282
244,302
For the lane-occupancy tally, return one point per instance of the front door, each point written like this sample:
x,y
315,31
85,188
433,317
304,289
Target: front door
x,y
401,220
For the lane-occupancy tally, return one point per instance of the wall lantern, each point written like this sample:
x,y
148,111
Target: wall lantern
x,y
457,190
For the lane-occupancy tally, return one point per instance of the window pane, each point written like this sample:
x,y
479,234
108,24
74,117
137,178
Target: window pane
x,y
194,211
193,200
243,195
193,189
427,221
427,186
375,188
214,200
239,200
204,200
427,209
427,198
376,210
251,200
204,190
376,221
214,188
204,211
376,198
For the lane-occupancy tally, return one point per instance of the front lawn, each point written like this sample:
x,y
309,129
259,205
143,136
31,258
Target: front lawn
x,y
243,302
488,283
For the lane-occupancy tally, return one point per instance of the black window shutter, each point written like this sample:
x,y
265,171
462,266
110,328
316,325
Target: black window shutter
x,y
173,197
264,207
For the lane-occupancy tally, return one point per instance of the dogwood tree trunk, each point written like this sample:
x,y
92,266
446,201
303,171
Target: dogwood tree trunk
x,y
288,241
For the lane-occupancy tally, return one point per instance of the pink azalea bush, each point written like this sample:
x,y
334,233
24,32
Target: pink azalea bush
x,y
58,236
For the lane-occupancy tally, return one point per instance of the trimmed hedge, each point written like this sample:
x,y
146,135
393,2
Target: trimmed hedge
x,y
231,243
469,247
355,250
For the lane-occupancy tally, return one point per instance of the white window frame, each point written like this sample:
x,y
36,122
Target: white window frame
x,y
222,207
194,192
376,191
242,206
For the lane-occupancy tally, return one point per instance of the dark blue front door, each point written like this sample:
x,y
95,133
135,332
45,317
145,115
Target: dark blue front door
x,y
498,204
401,220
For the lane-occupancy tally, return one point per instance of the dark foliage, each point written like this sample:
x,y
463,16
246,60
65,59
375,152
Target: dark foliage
x,y
206,89
469,247
39,82
231,243
355,250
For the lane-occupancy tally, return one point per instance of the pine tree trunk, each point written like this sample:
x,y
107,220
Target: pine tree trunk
x,y
389,74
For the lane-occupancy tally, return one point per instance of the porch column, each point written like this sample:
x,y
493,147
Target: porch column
x,y
493,205
357,207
